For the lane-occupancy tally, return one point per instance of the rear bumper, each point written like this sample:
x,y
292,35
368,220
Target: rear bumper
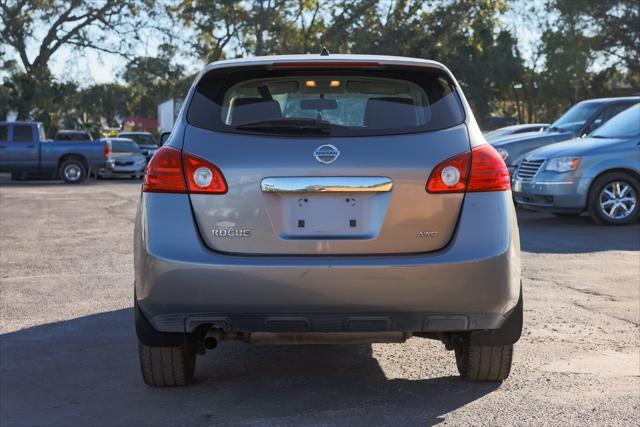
x,y
472,284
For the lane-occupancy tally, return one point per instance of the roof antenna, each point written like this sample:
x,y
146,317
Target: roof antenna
x,y
325,52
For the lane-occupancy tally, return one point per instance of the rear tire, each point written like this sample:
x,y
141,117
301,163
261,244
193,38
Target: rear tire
x,y
73,171
607,195
484,363
167,366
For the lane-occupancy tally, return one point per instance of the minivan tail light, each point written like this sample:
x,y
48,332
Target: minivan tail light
x,y
164,172
203,177
481,169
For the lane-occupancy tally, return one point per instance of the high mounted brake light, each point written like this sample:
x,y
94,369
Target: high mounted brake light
x,y
168,169
481,169
325,64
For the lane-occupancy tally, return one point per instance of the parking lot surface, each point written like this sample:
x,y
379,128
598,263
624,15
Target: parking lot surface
x,y
68,349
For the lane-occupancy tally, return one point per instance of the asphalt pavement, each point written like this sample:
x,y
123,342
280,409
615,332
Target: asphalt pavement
x,y
68,349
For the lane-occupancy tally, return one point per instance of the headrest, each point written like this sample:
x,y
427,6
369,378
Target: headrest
x,y
250,110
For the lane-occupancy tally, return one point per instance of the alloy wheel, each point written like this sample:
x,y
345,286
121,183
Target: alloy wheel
x,y
618,200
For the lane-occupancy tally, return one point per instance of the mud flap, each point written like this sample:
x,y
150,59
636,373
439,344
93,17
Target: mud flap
x,y
509,333
147,335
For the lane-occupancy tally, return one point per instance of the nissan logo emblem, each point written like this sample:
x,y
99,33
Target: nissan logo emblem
x,y
326,154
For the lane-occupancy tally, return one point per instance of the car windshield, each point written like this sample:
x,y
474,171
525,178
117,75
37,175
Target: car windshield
x,y
124,146
350,104
575,118
140,138
623,125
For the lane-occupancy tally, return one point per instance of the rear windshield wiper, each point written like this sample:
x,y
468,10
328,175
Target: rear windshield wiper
x,y
288,125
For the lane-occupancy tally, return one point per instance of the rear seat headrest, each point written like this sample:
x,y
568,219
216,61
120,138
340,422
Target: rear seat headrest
x,y
249,110
389,112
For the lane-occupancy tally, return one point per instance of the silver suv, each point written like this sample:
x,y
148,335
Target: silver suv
x,y
326,199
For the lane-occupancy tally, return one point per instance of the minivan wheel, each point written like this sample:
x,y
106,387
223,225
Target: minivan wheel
x,y
167,366
484,363
614,199
73,171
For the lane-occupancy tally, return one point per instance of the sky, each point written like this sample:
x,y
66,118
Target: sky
x,y
88,67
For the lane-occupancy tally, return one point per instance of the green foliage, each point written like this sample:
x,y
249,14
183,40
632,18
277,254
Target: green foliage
x,y
585,49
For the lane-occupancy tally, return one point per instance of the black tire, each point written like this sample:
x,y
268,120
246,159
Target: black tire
x,y
167,366
597,196
73,171
484,363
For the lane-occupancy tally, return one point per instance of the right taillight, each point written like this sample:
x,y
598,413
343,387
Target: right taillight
x,y
106,149
487,172
171,171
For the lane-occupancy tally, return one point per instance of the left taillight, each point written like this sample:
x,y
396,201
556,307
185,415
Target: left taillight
x,y
203,177
164,172
171,171
106,149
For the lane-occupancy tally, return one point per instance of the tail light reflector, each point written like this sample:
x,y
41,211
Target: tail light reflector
x,y
107,149
164,172
171,171
481,169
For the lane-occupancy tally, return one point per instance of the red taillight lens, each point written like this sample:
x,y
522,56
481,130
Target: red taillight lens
x,y
488,171
164,172
481,169
203,177
107,149
442,179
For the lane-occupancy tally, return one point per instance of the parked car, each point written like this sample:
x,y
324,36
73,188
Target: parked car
x,y
326,199
145,140
515,130
580,120
73,135
599,174
25,151
125,159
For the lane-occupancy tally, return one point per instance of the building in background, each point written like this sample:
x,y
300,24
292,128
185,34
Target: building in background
x,y
167,114
146,124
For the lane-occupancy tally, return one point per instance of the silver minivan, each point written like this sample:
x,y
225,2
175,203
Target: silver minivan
x,y
326,199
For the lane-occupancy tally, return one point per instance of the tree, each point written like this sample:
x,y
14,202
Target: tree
x,y
108,26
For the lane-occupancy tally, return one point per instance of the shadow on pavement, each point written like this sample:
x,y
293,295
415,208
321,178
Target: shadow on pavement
x,y
85,372
546,233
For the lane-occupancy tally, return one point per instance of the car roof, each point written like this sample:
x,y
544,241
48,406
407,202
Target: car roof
x,y
134,133
118,139
72,131
382,59
20,122
611,100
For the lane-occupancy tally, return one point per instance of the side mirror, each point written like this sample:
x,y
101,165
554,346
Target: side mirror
x,y
164,136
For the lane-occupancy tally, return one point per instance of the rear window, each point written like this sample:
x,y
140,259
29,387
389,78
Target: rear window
x,y
325,103
22,133
140,138
120,146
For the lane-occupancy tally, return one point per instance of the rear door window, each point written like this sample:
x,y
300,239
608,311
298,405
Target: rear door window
x,y
22,133
336,104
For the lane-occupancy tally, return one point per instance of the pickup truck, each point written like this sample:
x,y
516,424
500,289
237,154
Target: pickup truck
x,y
24,151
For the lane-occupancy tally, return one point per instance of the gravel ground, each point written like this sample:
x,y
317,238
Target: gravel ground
x,y
68,350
